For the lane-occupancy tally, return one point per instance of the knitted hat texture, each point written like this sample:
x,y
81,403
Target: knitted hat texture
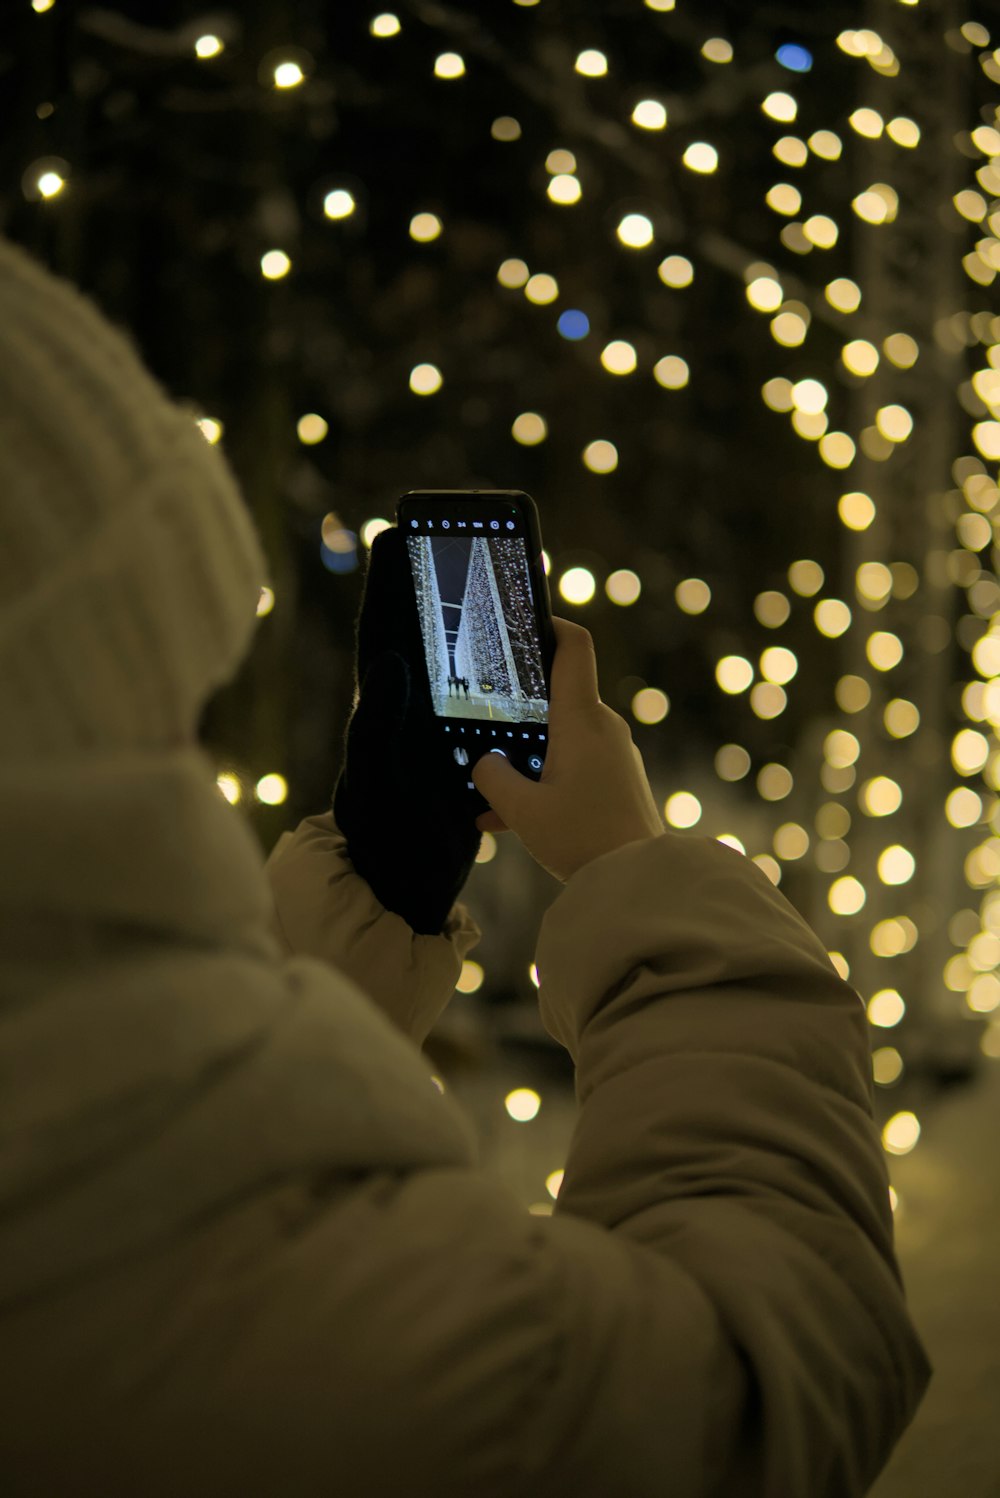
x,y
130,568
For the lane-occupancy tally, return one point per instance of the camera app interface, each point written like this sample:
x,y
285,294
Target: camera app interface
x,y
477,620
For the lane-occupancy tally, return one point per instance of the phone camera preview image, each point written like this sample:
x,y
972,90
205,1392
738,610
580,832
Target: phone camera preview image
x,y
481,646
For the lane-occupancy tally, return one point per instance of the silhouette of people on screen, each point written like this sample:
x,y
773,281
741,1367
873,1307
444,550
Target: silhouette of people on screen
x,y
465,683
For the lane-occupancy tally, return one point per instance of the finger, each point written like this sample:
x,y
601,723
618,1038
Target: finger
x,y
574,669
488,821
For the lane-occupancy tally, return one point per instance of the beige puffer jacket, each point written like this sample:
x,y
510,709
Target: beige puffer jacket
x,y
245,1245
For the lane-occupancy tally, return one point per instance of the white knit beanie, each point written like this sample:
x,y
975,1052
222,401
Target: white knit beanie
x,y
130,569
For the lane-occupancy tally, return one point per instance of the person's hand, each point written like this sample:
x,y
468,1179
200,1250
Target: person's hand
x,y
593,795
400,802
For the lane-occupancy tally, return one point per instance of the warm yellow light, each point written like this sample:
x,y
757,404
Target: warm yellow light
x,y
963,807
734,674
886,1008
505,128
649,114
204,47
969,751
487,848
650,705
888,938
765,293
837,450
577,585
768,700
600,456
541,289
682,809
894,422
676,270
821,230
832,617
635,231
780,106
522,1104
986,139
384,25
880,796
867,122
791,151
772,608
619,357
671,372
986,436
701,157
271,789
774,782
275,264
904,131
623,587
311,429
901,1133
846,895
853,693
425,379
806,578
986,655
449,65
424,227
841,748
971,205
339,203
826,144
732,762
288,75
860,356
778,665
591,63
811,427
789,329
844,295
809,396
887,1065
471,977
229,785
265,601
884,650
784,198
777,394
693,595
717,49
901,350
512,274
873,581
553,1182
529,429
790,841
870,207
901,718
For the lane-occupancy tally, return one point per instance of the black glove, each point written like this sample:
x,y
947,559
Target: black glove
x,y
401,800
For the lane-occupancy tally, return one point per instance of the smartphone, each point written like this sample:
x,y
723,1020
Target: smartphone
x,y
485,620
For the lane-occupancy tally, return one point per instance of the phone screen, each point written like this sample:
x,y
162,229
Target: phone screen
x,y
481,626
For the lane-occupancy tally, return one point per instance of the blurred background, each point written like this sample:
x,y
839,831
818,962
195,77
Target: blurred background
x,y
715,284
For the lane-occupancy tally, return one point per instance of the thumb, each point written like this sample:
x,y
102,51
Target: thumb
x,y
494,777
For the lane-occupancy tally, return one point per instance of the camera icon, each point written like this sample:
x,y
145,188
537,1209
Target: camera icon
x,y
536,762
495,524
446,524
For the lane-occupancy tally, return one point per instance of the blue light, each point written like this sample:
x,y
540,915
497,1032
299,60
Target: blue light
x,y
795,59
338,561
574,325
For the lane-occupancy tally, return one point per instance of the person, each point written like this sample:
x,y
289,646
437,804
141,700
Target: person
x,y
246,1242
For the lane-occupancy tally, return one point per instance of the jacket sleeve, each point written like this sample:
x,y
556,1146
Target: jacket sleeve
x,y
324,909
